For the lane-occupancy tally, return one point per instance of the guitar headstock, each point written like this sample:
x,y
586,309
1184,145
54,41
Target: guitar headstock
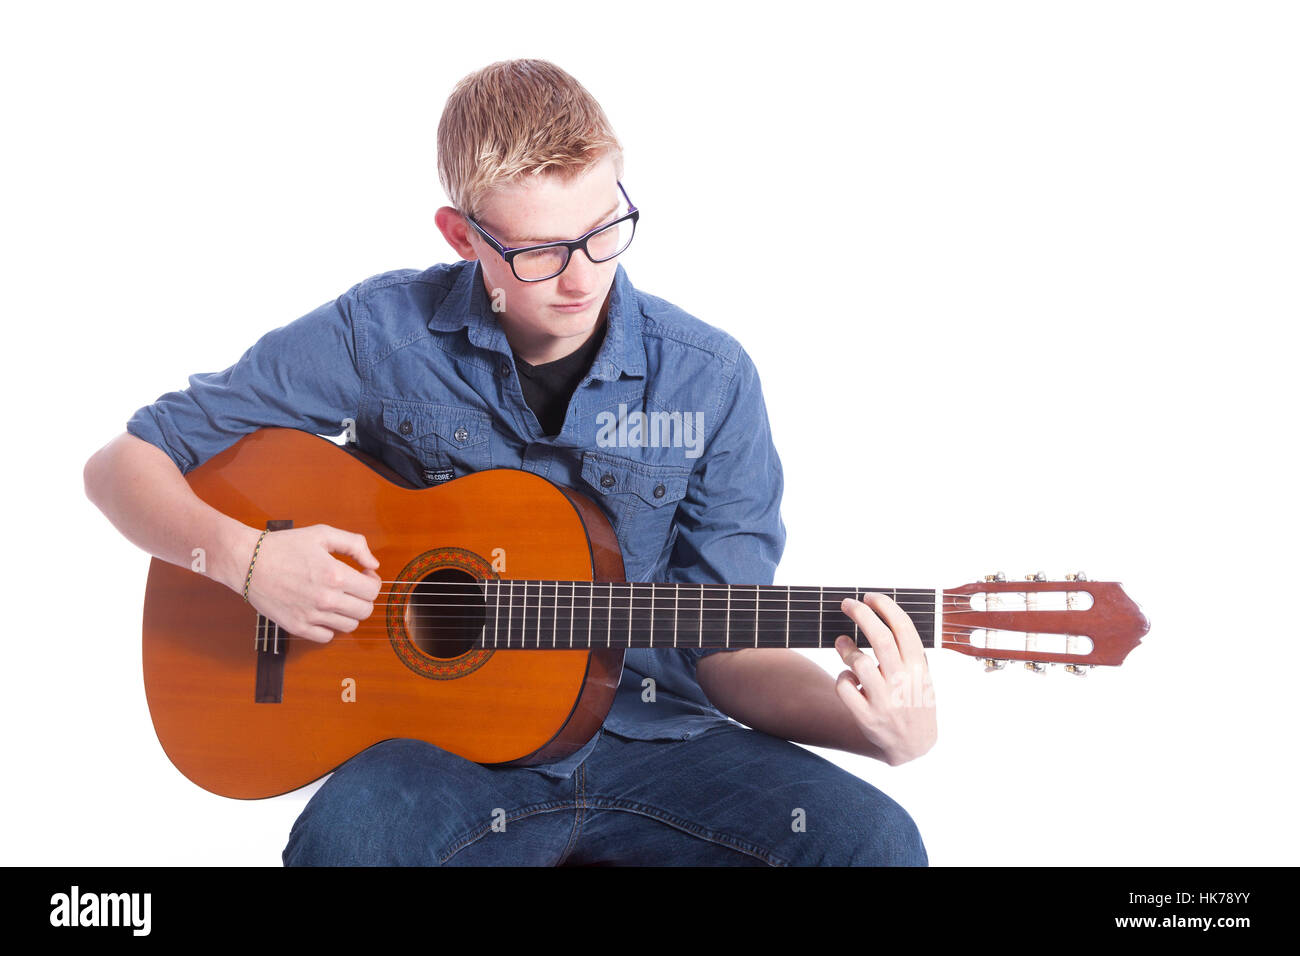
x,y
1075,622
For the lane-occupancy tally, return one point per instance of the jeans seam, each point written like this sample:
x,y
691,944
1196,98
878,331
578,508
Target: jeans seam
x,y
475,835
579,809
691,829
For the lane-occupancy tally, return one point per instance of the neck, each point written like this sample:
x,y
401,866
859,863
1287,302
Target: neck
x,y
584,614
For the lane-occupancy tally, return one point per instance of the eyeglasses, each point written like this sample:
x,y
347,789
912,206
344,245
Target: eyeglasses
x,y
547,260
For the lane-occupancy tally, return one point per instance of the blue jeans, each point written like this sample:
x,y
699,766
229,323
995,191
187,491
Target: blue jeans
x,y
728,796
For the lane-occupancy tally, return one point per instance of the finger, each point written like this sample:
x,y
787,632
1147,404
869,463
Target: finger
x,y
846,688
878,634
337,623
866,670
353,545
352,607
363,585
900,625
312,632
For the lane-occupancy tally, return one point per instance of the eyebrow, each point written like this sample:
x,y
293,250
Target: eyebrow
x,y
532,242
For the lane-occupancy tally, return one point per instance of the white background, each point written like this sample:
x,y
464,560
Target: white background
x,y
1020,280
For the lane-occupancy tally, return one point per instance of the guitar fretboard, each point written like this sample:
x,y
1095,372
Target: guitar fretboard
x,y
585,614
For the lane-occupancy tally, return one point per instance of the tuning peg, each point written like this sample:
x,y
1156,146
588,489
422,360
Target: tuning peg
x,y
991,665
1076,576
1037,576
997,576
1078,670
1036,667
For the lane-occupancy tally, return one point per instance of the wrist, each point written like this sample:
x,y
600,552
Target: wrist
x,y
235,554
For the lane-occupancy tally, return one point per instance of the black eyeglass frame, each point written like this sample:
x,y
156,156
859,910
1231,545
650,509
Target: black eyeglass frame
x,y
508,253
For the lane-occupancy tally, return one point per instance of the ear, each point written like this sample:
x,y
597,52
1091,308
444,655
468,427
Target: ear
x,y
455,230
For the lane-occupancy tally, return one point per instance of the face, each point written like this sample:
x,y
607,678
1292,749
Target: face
x,y
544,320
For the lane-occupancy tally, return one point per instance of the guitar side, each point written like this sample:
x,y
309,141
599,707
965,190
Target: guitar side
x,y
334,700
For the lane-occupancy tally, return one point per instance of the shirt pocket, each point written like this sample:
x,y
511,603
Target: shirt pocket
x,y
447,441
641,500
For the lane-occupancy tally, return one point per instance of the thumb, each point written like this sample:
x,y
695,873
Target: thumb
x,y
353,545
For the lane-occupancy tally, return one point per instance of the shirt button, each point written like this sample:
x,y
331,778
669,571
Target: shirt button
x,y
505,369
659,491
607,480
462,435
405,428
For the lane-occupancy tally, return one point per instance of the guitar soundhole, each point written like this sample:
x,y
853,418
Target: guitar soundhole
x,y
444,613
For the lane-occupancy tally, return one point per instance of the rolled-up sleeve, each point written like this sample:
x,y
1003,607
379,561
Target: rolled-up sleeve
x,y
729,527
304,375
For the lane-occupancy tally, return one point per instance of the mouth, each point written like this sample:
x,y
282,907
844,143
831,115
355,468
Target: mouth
x,y
575,307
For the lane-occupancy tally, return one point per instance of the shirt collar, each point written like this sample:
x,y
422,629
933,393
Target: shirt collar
x,y
466,306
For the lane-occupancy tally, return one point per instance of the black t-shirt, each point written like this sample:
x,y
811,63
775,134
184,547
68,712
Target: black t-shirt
x,y
547,388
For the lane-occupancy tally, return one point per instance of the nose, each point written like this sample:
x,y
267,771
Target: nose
x,y
579,276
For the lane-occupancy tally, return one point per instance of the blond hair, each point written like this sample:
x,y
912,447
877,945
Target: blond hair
x,y
519,118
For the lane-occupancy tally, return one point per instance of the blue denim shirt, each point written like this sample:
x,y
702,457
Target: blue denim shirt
x,y
419,362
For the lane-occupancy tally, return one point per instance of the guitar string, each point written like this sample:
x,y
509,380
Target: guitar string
x,y
642,605
950,638
1055,586
740,636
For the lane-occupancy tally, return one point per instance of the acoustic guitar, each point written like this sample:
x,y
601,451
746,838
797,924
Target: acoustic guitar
x,y
499,630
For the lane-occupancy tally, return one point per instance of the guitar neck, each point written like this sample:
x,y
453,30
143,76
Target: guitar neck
x,y
585,614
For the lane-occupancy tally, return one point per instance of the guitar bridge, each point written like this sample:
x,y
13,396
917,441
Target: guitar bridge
x,y
272,646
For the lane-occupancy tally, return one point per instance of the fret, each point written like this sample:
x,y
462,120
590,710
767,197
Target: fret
x,y
537,619
804,612
714,615
563,611
701,615
856,597
742,626
510,614
769,622
521,627
621,614
609,616
632,611
676,593
820,602
726,627
833,622
496,616
663,610
518,595
787,616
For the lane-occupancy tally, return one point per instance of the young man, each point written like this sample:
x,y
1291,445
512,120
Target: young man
x,y
521,357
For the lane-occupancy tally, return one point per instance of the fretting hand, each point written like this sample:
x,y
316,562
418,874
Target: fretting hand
x,y
891,696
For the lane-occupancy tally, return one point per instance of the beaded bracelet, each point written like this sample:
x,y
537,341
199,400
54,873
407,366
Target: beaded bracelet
x,y
249,578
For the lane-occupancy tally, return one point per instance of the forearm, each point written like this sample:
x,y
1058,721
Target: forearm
x,y
140,490
782,693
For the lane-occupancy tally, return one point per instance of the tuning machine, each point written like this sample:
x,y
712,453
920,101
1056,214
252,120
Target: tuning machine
x,y
991,665
1078,670
1034,667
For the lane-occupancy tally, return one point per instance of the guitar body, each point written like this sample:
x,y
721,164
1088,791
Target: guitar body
x,y
206,662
